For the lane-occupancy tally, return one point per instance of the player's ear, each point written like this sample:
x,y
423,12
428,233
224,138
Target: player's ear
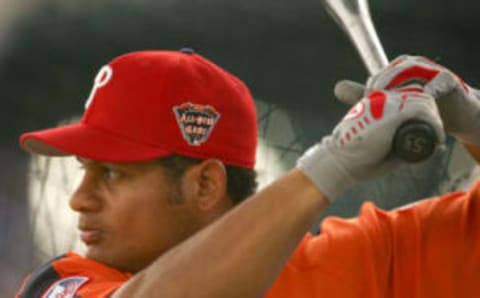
x,y
206,184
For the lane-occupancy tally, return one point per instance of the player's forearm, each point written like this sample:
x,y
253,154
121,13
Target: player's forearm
x,y
241,253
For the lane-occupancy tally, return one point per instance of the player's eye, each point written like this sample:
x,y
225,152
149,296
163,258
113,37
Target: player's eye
x,y
110,173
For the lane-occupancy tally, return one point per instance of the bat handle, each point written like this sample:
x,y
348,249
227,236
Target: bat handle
x,y
414,141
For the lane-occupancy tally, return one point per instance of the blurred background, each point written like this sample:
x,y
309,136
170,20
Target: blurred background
x,y
290,53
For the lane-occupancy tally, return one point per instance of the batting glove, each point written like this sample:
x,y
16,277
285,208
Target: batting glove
x,y
359,147
458,103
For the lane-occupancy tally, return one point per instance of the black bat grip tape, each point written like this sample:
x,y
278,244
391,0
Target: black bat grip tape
x,y
414,141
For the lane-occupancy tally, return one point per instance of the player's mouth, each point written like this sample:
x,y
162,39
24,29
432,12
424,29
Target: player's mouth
x,y
90,236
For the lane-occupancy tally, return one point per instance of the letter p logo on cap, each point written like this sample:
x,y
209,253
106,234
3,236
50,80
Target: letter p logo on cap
x,y
102,78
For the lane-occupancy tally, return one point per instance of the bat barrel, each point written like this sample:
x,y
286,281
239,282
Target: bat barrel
x,y
353,16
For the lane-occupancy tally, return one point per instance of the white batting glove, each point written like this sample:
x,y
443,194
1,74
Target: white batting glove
x,y
359,147
458,103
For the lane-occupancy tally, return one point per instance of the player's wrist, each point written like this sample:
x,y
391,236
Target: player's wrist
x,y
319,164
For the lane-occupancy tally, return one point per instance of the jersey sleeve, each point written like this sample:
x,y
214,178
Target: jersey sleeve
x,y
347,259
72,276
429,249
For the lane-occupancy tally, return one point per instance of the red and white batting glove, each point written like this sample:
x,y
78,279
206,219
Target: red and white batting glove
x,y
458,103
359,147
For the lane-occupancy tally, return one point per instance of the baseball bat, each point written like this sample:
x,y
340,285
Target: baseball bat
x,y
414,140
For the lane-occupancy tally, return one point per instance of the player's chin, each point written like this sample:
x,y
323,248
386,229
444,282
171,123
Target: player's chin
x,y
109,256
96,252
101,253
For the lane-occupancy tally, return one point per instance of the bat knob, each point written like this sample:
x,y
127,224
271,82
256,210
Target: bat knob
x,y
414,141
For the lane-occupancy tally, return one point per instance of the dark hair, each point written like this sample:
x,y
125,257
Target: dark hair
x,y
241,182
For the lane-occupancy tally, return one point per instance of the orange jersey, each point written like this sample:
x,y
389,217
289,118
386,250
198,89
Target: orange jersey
x,y
431,249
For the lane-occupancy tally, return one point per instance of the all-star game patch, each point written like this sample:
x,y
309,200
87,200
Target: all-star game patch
x,y
66,287
196,121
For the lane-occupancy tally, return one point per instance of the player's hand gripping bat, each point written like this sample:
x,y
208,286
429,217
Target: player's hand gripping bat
x,y
415,140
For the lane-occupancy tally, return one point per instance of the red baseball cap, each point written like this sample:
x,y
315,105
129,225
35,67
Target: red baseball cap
x,y
151,104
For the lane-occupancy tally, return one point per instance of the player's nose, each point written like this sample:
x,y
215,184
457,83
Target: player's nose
x,y
86,197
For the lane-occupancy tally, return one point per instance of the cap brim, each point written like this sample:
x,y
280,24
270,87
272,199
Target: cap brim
x,y
88,142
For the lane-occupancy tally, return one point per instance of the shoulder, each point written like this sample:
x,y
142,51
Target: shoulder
x,y
349,254
450,207
452,218
374,228
435,220
69,275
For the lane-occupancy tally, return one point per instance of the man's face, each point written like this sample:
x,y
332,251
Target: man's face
x,y
130,213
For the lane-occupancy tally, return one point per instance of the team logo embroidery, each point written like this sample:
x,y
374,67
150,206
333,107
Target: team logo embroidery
x,y
66,287
196,121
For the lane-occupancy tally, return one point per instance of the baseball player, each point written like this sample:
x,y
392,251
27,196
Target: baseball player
x,y
164,141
